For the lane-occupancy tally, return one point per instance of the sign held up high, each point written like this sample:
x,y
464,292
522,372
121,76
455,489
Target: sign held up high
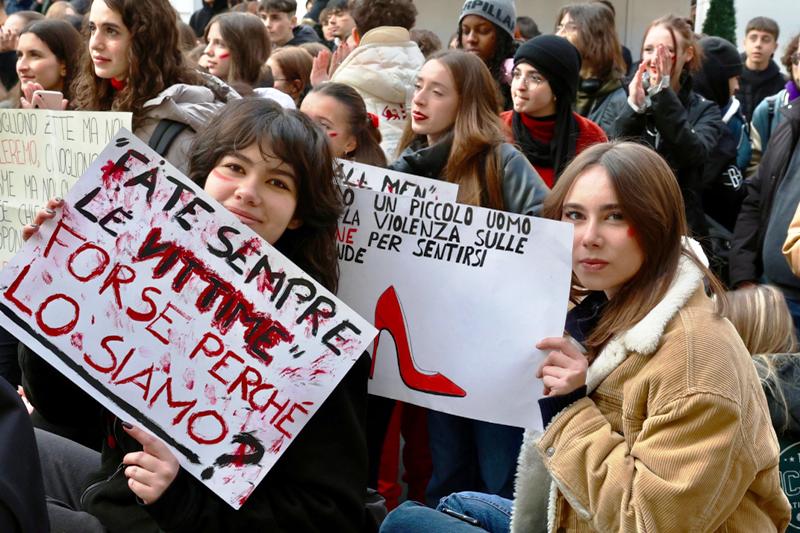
x,y
176,316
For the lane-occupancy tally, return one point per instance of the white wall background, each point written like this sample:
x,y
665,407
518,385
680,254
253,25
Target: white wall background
x,y
785,12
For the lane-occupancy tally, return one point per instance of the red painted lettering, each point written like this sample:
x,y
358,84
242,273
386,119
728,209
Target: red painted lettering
x,y
150,313
163,316
54,237
101,266
55,331
9,294
223,363
202,346
223,428
116,278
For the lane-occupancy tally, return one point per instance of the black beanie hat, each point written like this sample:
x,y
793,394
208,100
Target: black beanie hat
x,y
721,61
556,59
724,54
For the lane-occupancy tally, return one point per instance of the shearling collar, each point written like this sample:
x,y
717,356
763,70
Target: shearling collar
x,y
643,338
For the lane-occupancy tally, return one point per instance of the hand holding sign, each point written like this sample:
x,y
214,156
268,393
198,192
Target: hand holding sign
x,y
151,471
564,368
43,214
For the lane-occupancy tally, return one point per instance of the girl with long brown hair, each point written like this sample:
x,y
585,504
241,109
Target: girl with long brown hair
x,y
590,28
653,413
454,134
134,63
48,56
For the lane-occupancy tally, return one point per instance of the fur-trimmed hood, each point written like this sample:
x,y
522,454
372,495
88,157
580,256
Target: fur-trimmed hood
x,y
530,496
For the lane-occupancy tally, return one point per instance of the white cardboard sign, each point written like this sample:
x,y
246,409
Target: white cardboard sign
x,y
391,181
160,303
460,295
42,154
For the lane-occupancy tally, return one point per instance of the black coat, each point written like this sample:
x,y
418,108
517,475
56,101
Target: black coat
x,y
755,85
22,503
318,485
684,128
748,236
202,16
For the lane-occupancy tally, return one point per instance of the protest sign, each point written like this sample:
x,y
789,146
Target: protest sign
x,y
390,181
42,154
461,295
159,302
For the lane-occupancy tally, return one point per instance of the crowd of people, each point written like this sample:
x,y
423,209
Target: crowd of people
x,y
670,397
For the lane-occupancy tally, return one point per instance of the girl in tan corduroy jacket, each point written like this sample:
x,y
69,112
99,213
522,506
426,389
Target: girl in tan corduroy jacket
x,y
663,426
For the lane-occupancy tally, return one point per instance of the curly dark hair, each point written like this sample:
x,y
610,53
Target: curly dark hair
x,y
370,14
792,48
294,138
155,60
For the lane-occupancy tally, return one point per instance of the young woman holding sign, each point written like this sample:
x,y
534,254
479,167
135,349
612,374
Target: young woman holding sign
x,y
135,64
455,134
652,409
273,169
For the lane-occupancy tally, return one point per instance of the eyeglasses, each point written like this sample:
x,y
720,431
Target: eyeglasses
x,y
569,27
531,78
795,58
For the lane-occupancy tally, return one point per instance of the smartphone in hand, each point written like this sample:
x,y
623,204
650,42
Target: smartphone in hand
x,y
47,100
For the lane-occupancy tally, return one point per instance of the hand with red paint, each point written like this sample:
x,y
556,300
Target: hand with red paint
x,y
564,369
29,230
151,470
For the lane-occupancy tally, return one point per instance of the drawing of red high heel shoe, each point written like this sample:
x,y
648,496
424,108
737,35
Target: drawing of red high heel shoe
x,y
389,317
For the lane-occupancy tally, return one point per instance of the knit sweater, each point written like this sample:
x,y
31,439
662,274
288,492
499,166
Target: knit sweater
x,y
675,434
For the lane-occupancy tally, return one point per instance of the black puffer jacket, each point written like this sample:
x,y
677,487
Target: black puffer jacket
x,y
684,128
748,237
318,485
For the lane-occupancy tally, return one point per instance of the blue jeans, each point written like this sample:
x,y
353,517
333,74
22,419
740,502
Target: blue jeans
x,y
470,455
492,512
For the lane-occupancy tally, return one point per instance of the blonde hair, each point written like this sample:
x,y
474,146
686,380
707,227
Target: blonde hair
x,y
761,316
762,319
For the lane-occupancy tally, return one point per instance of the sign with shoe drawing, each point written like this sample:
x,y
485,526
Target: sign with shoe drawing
x,y
460,295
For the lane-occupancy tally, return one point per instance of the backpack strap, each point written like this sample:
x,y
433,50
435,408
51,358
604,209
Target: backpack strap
x,y
771,104
165,133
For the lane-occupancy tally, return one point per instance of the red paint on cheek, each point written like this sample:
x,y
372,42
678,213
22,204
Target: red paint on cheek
x,y
631,232
218,175
224,55
332,134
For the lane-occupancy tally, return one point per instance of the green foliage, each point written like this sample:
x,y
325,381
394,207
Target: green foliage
x,y
721,20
